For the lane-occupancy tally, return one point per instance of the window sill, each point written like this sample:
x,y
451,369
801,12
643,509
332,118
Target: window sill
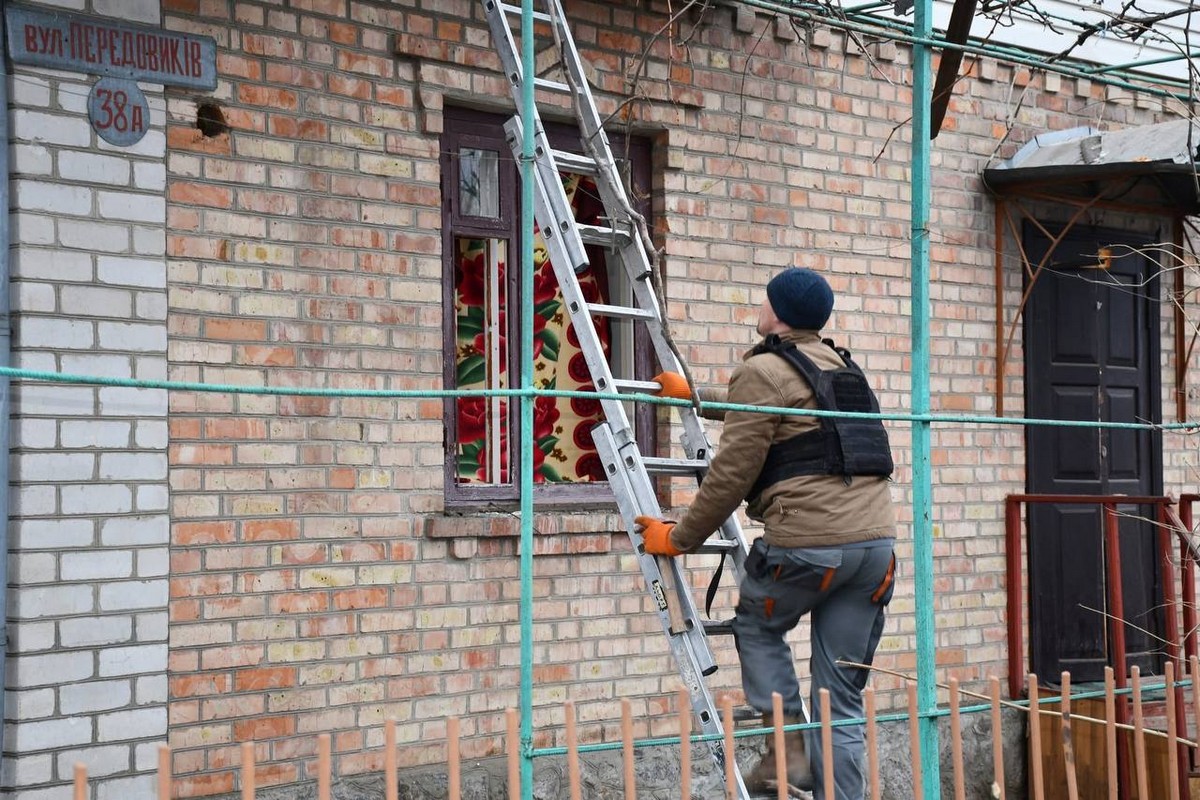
x,y
556,532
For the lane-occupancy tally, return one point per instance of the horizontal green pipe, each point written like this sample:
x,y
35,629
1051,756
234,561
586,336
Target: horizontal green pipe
x,y
899,32
667,741
427,394
1147,62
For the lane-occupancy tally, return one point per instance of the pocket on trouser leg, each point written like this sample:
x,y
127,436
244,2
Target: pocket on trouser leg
x,y
883,594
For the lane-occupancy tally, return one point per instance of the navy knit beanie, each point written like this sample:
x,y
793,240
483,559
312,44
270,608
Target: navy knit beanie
x,y
801,298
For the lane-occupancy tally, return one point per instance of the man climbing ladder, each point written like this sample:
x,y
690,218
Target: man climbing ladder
x,y
820,487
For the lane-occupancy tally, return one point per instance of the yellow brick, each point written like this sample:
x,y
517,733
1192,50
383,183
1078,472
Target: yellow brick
x,y
295,651
325,578
385,165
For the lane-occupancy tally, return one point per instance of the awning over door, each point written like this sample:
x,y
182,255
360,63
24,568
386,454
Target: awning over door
x,y
1149,168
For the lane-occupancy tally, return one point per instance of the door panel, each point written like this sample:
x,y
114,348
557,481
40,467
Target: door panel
x,y
1091,354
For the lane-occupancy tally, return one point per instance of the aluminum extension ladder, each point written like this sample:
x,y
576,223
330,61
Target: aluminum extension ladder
x,y
629,471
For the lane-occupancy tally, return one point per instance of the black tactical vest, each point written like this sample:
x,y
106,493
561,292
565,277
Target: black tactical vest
x,y
846,446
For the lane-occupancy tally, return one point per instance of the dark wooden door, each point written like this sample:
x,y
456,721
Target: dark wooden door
x,y
1091,337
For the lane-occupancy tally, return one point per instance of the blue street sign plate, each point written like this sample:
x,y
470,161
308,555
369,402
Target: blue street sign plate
x,y
99,46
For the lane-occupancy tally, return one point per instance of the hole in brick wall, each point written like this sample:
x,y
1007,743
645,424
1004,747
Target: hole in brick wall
x,y
210,120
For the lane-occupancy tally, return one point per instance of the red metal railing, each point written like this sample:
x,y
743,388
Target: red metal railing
x,y
1187,556
1168,524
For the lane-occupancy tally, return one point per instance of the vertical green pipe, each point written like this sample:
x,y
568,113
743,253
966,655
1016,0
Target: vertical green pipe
x,y
922,482
528,117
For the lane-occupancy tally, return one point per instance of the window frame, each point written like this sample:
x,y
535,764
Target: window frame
x,y
484,130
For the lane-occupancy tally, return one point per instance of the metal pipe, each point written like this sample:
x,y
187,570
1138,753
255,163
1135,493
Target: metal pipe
x,y
1012,565
5,361
1180,321
998,269
1116,594
529,126
922,479
1146,63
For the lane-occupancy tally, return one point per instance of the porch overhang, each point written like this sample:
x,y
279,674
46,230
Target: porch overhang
x,y
1149,168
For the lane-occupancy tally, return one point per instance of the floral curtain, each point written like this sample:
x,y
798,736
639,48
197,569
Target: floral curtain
x,y
563,450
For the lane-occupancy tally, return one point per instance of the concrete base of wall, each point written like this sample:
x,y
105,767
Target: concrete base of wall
x,y
657,771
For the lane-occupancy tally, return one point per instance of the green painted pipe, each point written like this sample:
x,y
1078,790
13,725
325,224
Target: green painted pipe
x,y
441,394
528,117
922,482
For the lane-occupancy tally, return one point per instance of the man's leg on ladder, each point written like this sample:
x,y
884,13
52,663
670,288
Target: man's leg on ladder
x,y
846,626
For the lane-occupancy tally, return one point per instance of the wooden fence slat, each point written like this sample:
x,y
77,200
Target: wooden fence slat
x,y
324,765
1194,665
1068,744
391,772
998,784
454,758
573,778
513,724
1035,739
627,749
1110,734
960,784
914,739
1139,735
780,755
248,771
827,743
1172,734
685,744
730,750
872,744
164,772
80,781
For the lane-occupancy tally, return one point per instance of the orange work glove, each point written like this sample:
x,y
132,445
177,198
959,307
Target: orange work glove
x,y
656,535
673,385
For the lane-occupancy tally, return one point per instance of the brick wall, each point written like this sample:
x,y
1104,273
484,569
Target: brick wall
x,y
87,651
316,584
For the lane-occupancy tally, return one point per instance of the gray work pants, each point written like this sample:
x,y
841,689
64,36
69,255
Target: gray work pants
x,y
845,590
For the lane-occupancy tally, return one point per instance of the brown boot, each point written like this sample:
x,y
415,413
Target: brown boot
x,y
762,778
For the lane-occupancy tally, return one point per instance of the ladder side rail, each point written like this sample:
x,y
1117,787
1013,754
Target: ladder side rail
x,y
589,343
544,163
623,465
561,221
683,647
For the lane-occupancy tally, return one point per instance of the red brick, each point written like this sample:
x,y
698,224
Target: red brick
x,y
268,96
299,603
263,728
192,533
203,785
269,530
235,329
200,194
360,598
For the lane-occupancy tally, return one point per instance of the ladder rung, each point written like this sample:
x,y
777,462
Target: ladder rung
x,y
717,546
540,16
718,627
553,86
574,162
606,237
674,466
645,387
620,312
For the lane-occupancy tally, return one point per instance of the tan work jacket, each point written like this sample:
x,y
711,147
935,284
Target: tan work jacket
x,y
804,511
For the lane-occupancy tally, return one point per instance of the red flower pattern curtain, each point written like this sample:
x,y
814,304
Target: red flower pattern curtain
x,y
563,450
